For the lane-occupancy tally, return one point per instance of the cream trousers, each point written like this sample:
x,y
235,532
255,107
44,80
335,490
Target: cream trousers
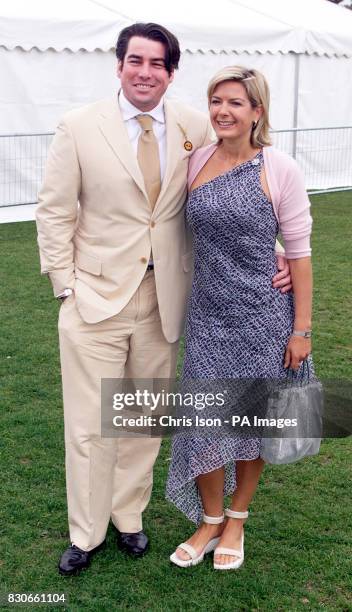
x,y
109,477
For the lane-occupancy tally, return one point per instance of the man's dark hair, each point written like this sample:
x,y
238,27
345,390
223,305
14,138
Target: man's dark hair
x,y
152,31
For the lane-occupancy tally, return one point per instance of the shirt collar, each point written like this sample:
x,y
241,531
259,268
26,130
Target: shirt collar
x,y
129,111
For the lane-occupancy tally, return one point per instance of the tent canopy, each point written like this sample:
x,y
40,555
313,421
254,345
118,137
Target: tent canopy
x,y
252,26
59,54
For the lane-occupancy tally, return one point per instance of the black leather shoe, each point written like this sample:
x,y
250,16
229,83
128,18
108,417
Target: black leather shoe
x,y
135,544
74,559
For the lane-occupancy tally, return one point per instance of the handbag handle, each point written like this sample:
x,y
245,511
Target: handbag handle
x,y
293,376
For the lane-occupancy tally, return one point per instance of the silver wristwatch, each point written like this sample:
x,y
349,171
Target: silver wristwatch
x,y
303,334
65,293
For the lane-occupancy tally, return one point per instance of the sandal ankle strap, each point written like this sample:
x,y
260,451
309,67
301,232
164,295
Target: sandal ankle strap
x,y
235,514
213,520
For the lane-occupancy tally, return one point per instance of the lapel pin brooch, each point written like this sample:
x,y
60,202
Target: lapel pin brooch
x,y
187,144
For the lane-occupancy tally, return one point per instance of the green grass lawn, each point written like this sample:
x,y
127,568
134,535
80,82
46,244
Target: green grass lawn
x,y
298,535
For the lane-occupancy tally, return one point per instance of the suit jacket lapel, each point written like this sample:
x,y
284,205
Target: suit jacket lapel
x,y
174,149
115,133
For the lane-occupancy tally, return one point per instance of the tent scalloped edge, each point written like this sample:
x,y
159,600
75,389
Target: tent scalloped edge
x,y
219,51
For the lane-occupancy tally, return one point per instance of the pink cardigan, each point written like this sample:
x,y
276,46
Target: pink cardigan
x,y
288,195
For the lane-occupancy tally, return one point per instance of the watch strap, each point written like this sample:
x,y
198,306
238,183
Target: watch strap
x,y
64,294
303,334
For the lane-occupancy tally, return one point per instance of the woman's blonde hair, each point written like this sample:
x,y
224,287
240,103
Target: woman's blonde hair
x,y
258,94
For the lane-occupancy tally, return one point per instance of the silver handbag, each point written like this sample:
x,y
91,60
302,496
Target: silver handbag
x,y
301,399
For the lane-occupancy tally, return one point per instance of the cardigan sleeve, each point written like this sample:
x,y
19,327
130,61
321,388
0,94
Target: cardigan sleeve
x,y
197,161
294,216
192,168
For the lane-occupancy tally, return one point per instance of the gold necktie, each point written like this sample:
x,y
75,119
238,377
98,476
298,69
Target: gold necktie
x,y
148,158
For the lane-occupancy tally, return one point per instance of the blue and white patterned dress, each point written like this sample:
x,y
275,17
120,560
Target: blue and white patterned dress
x,y
238,326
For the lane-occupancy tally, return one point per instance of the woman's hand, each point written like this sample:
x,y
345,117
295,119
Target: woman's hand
x,y
297,350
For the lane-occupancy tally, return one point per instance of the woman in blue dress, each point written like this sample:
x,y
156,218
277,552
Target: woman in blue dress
x,y
242,193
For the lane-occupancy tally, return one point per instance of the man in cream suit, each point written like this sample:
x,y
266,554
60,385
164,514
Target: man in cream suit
x,y
121,264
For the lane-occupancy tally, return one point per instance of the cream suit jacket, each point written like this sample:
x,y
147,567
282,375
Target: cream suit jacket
x,y
101,248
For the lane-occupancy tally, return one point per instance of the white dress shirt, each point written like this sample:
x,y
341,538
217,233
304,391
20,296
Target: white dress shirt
x,y
129,113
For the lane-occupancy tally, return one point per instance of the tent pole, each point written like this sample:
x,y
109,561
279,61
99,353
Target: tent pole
x,y
295,104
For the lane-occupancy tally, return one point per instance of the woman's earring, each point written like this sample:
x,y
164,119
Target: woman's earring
x,y
254,125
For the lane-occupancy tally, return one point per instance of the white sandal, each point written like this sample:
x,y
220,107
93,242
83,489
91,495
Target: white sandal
x,y
221,550
196,558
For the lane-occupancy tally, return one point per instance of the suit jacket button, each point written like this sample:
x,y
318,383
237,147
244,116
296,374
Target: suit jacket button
x,y
152,224
144,260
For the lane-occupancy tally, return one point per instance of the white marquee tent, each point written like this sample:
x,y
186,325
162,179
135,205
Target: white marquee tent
x,y
57,55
